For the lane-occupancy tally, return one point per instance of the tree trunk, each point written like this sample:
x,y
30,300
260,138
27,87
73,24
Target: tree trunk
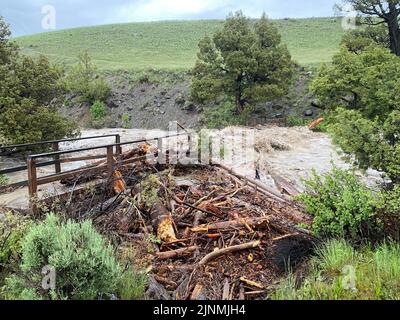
x,y
239,100
239,104
394,29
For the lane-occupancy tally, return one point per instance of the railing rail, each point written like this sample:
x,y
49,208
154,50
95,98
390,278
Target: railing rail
x,y
56,150
42,143
112,150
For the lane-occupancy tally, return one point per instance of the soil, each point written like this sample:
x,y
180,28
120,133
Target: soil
x,y
153,104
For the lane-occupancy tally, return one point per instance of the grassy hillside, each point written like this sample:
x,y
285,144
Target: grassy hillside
x,y
173,44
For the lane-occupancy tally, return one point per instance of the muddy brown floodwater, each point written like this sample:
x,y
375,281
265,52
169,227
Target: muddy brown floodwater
x,y
292,153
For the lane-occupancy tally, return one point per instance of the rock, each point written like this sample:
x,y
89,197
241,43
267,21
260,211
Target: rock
x,y
277,107
309,113
180,99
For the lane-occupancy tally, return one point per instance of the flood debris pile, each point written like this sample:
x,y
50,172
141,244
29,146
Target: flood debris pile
x,y
201,232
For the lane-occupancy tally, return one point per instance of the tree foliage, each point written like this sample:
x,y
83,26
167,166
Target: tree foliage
x,y
246,62
367,81
27,90
378,12
362,89
358,40
84,80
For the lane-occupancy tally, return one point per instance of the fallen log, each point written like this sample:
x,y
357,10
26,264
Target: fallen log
x,y
163,222
266,190
251,283
176,253
315,123
166,281
233,224
284,186
232,249
119,183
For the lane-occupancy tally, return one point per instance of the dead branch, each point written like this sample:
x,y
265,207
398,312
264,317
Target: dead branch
x,y
251,283
221,252
176,253
233,224
163,222
268,191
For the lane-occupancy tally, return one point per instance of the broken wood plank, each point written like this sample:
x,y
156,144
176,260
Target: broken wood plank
x,y
220,252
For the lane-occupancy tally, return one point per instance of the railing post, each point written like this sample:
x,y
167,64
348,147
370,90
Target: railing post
x,y
160,151
110,160
57,165
118,148
189,151
32,182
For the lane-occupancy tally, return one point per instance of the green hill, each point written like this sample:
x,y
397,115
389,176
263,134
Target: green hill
x,y
173,44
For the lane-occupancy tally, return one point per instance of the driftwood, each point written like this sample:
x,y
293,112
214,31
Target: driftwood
x,y
176,253
284,186
266,190
315,123
163,222
197,293
233,224
251,283
166,281
225,292
232,249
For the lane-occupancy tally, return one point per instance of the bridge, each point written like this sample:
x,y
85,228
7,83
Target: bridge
x,y
19,194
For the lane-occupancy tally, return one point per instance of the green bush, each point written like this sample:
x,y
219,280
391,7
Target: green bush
x,y
339,272
391,201
125,121
98,111
84,80
132,285
3,180
98,90
84,264
223,115
341,205
295,121
13,227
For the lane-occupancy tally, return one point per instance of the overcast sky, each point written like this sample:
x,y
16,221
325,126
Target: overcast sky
x,y
26,17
